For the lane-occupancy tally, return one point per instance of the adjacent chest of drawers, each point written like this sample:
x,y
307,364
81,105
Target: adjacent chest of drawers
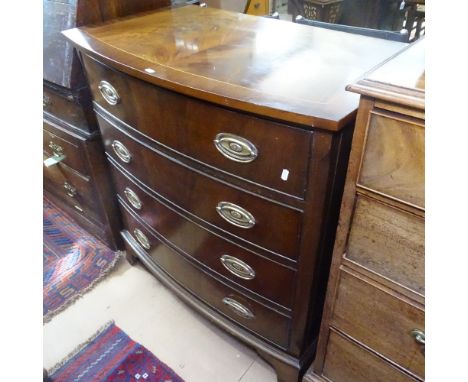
x,y
373,325
79,182
228,159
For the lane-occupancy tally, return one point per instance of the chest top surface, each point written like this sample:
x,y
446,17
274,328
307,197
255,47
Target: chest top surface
x,y
278,69
401,79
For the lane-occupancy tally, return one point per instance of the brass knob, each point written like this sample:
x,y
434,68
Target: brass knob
x,y
121,151
235,148
238,308
420,338
109,93
238,267
141,238
133,198
235,215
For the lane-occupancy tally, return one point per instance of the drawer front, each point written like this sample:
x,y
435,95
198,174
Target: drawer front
x,y
57,141
380,321
233,304
266,278
66,108
263,152
348,362
388,241
393,159
264,223
73,189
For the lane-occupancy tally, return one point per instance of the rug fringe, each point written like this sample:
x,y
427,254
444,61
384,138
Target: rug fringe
x,y
79,348
51,314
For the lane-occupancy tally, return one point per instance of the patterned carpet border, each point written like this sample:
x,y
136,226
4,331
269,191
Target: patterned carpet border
x,y
111,355
74,261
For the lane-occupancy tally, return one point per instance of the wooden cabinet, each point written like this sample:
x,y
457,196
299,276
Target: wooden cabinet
x,y
228,157
80,183
373,322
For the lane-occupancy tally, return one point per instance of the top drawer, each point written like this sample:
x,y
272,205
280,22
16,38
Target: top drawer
x,y
393,159
260,151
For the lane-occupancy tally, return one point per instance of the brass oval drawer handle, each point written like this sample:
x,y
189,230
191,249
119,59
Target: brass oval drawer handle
x,y
419,336
46,101
71,190
235,215
238,308
142,239
238,267
235,148
57,150
109,93
121,151
133,198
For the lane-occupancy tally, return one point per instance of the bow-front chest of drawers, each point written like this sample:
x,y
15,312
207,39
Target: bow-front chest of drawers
x,y
228,137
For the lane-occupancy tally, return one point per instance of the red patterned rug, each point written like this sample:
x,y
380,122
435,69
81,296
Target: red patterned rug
x,y
111,355
73,261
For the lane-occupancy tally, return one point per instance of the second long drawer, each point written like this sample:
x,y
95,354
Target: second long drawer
x,y
269,279
262,222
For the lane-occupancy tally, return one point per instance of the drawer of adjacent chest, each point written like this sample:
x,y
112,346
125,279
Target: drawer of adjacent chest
x,y
393,158
231,303
67,108
271,154
388,241
264,277
346,361
381,321
57,142
72,188
262,222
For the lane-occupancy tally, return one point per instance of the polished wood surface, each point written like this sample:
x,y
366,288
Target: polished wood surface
x,y
277,227
272,280
239,66
187,130
388,241
266,322
375,295
393,161
401,80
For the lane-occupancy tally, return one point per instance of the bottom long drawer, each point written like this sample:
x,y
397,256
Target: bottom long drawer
x,y
348,362
243,310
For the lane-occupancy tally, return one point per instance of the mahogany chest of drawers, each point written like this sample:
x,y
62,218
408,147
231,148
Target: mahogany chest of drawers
x,y
79,182
373,322
228,155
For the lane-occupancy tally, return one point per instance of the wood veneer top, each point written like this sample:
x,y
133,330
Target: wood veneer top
x,y
278,69
400,79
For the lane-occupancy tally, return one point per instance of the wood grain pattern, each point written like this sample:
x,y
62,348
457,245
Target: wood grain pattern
x,y
277,227
393,159
388,241
379,320
348,362
374,296
239,66
187,130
